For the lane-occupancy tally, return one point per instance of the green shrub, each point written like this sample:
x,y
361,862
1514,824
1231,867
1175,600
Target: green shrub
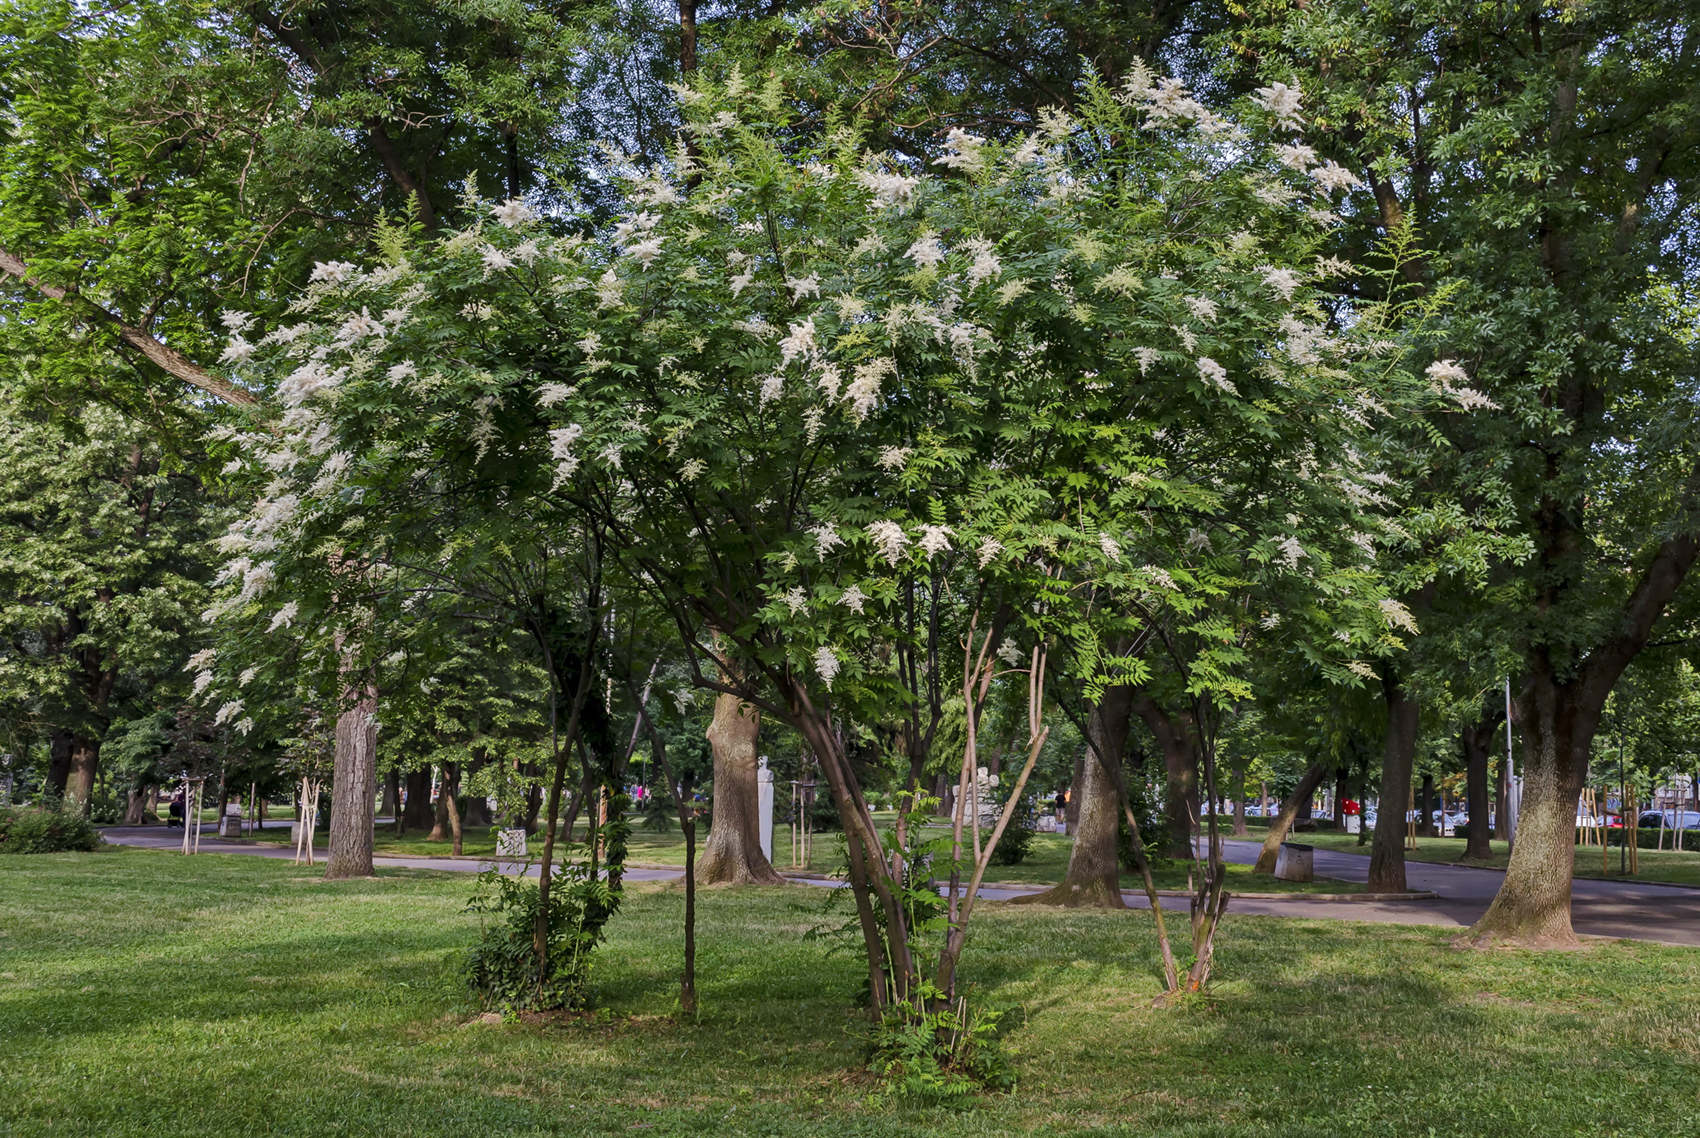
x,y
1017,840
940,1053
658,812
105,810
502,969
1647,838
27,830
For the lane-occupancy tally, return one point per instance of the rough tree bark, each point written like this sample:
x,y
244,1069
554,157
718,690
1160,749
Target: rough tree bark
x,y
1399,749
354,785
85,762
451,785
1179,742
440,827
1094,870
732,854
1312,779
1559,709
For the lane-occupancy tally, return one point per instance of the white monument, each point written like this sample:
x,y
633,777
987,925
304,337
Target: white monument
x,y
764,806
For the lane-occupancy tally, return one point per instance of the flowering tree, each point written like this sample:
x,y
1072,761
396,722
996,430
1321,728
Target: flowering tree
x,y
795,376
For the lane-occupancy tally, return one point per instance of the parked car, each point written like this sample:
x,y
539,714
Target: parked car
x,y
1671,819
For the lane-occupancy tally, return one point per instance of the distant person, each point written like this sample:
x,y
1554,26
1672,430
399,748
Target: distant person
x,y
176,811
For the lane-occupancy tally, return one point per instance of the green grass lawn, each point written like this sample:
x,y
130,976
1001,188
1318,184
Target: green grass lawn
x,y
1676,867
145,993
1045,864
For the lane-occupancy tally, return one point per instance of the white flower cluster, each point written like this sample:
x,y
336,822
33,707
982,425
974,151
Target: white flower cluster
x,y
893,458
561,452
1448,377
888,537
962,151
1215,375
827,665
1397,615
890,190
935,539
1283,103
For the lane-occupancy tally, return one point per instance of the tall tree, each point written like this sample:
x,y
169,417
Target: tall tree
x,y
1546,159
104,569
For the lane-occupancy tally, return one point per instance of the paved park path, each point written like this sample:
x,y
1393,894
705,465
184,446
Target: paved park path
x,y
1638,910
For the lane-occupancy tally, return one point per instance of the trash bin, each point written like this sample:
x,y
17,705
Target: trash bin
x,y
1295,862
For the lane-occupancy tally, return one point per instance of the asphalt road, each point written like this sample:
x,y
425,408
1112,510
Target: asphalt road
x,y
1669,914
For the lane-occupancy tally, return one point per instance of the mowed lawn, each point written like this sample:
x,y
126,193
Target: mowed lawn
x,y
146,993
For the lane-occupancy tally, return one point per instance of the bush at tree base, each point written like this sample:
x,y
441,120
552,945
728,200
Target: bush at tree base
x,y
943,1053
27,830
502,968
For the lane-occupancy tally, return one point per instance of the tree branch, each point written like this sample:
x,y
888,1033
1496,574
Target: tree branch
x,y
167,358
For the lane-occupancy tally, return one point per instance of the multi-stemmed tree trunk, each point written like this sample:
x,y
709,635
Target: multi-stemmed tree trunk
x,y
1399,750
1094,870
733,854
354,785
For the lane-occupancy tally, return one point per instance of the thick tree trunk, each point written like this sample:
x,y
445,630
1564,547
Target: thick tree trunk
x,y
477,807
1071,809
533,807
1533,904
416,813
1501,799
441,829
135,808
1239,830
1426,807
1399,750
85,762
732,855
1094,870
1477,739
354,785
1179,742
451,790
390,805
1311,779
59,762
1340,795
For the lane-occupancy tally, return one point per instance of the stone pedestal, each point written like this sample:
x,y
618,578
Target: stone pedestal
x,y
510,843
764,807
1295,862
230,826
